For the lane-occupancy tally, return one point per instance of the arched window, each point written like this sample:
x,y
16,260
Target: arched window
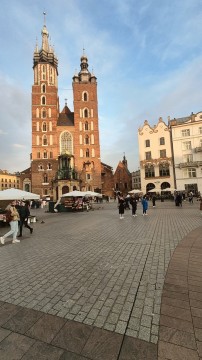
x,y
85,113
43,88
87,141
85,96
87,153
66,142
45,178
43,100
86,125
44,140
40,167
164,170
43,113
51,75
43,72
149,171
44,128
49,166
45,156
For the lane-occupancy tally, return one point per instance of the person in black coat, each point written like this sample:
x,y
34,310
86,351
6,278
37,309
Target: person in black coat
x,y
24,212
133,202
121,206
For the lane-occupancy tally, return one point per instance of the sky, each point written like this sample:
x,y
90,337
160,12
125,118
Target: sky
x,y
146,55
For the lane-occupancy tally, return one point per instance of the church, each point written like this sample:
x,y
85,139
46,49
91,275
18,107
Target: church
x,y
65,144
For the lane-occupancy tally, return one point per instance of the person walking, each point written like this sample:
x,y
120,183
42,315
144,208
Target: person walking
x,y
133,202
144,205
13,223
121,206
24,212
154,200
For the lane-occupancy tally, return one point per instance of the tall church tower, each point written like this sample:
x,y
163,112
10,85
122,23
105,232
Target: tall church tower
x,y
45,110
65,145
86,141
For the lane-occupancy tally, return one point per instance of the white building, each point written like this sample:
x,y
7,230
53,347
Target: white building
x,y
186,135
156,166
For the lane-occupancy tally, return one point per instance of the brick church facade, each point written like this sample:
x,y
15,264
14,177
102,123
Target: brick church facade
x,y
65,144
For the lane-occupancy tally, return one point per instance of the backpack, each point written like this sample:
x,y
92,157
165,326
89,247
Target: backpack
x,y
9,217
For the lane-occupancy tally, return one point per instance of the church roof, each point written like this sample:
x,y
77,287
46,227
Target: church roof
x,y
66,117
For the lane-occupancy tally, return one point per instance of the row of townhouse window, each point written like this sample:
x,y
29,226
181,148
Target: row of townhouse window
x,y
162,154
187,132
187,145
3,180
163,170
161,142
8,185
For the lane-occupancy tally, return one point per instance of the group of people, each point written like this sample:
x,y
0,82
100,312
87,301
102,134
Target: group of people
x,y
19,213
123,203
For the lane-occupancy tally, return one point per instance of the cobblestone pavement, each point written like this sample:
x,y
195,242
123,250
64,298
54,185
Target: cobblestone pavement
x,y
95,269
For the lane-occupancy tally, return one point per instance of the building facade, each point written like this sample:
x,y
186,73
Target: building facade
x,y
155,154
122,178
65,145
8,181
136,180
186,136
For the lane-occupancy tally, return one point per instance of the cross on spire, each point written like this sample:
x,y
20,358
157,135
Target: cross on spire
x,y
44,14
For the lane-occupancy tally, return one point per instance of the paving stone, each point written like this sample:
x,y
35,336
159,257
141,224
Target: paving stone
x,y
46,328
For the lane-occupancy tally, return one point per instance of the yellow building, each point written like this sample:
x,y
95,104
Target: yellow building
x,y
8,180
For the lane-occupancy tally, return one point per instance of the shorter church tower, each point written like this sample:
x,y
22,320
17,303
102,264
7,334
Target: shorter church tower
x,y
86,142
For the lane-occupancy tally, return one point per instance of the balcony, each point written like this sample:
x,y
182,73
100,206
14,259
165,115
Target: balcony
x,y
190,164
198,149
66,174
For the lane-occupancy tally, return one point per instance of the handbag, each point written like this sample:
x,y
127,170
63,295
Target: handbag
x,y
9,217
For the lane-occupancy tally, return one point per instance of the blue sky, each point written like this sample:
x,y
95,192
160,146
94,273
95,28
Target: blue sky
x,y
146,55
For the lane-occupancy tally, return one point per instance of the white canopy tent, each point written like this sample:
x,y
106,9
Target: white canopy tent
x,y
135,191
93,194
169,189
153,190
75,193
16,194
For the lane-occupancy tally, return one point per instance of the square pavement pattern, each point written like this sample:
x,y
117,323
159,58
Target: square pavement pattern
x,y
88,285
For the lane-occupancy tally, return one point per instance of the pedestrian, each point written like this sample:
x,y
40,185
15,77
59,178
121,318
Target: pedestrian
x,y
154,200
191,197
127,202
24,213
144,205
14,218
133,202
201,205
121,206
